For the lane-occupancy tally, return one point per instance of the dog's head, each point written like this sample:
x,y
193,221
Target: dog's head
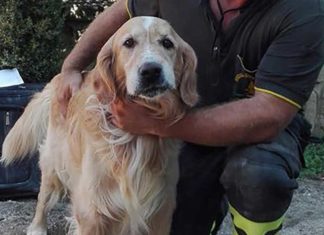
x,y
147,61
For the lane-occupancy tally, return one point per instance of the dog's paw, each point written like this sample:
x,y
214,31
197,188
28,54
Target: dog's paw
x,y
36,230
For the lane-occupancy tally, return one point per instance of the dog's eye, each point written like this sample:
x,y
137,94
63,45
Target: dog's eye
x,y
167,43
129,43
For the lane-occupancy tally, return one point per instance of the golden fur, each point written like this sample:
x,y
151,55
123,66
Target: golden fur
x,y
119,183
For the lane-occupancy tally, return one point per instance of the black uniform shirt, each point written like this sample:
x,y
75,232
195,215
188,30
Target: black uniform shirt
x,y
278,42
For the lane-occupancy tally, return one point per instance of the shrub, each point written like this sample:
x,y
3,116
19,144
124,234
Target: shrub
x,y
79,14
314,159
35,35
30,37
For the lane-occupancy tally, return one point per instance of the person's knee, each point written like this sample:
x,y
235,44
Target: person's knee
x,y
259,191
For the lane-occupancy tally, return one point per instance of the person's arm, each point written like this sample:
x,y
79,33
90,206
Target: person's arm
x,y
245,121
85,51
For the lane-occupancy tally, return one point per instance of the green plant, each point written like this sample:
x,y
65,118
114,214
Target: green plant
x,y
314,160
30,37
78,15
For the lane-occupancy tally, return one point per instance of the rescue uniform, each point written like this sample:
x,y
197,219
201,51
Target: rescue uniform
x,y
275,47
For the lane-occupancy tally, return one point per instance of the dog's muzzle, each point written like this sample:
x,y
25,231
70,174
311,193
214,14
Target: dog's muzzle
x,y
151,80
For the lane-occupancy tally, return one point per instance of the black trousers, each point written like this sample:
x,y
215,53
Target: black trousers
x,y
257,180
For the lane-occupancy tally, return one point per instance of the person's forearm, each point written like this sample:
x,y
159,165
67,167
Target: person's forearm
x,y
95,36
240,122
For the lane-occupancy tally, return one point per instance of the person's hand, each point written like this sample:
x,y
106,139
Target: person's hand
x,y
69,85
136,119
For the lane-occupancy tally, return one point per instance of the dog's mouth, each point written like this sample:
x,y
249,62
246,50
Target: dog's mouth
x,y
153,91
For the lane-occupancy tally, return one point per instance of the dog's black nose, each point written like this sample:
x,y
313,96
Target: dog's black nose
x,y
152,80
150,72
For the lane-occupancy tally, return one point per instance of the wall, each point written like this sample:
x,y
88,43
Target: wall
x,y
314,109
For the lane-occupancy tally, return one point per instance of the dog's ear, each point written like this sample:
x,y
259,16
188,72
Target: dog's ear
x,y
188,82
104,66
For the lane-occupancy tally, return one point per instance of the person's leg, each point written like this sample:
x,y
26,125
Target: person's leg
x,y
259,181
200,194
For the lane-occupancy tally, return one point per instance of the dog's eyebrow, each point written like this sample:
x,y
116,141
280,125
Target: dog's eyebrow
x,y
166,36
126,36
163,36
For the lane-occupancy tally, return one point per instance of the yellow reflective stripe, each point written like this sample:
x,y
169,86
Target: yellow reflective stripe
x,y
235,232
213,227
279,96
128,11
250,227
233,229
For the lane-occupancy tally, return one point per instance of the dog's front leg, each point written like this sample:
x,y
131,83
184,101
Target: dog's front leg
x,y
161,222
92,223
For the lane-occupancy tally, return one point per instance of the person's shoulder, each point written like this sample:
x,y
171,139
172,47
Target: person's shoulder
x,y
302,6
295,13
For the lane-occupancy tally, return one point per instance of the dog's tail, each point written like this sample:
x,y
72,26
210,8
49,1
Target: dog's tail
x,y
30,129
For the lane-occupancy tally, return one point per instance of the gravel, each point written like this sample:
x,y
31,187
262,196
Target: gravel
x,y
304,217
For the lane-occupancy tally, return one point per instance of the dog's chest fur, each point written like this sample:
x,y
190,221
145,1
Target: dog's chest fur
x,y
124,178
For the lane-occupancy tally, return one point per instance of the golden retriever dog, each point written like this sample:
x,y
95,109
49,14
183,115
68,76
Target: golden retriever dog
x,y
118,183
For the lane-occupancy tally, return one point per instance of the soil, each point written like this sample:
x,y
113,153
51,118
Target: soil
x,y
304,217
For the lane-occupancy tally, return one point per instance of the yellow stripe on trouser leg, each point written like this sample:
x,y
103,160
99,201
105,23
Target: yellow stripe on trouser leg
x,y
253,228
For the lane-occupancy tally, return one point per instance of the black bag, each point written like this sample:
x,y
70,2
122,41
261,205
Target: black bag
x,y
20,179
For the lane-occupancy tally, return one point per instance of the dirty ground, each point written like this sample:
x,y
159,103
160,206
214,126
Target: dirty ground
x,y
305,216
